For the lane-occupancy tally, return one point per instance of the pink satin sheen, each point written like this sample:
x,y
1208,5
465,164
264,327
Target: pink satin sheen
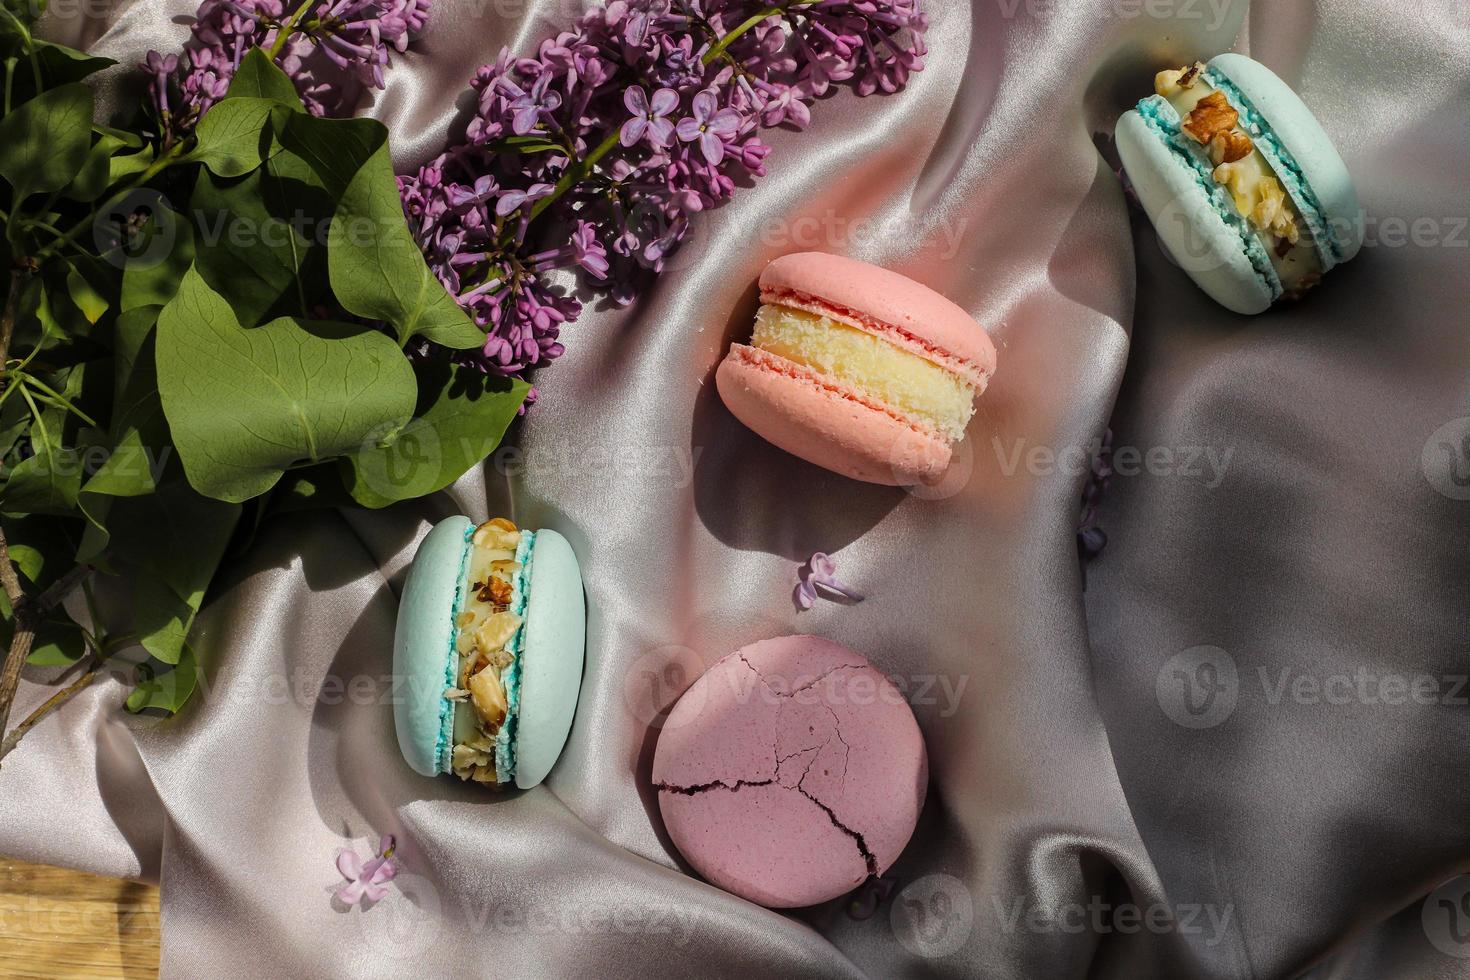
x,y
827,424
893,306
1293,837
787,766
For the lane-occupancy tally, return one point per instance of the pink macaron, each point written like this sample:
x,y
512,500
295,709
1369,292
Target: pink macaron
x,y
857,369
790,772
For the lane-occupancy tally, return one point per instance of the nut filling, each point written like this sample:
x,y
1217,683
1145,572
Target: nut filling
x,y
1209,119
486,628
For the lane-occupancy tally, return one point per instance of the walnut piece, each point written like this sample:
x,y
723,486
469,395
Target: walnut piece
x,y
1272,214
1230,146
1213,115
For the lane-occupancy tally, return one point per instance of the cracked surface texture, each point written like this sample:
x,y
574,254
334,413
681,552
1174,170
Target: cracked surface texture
x,y
790,772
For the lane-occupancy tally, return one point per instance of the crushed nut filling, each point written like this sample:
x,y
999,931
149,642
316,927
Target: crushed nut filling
x,y
485,628
1210,119
1213,115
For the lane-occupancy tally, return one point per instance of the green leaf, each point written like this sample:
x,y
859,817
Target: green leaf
x,y
82,293
259,77
244,405
61,64
56,313
258,238
38,325
42,548
125,136
15,420
47,482
141,449
376,268
233,139
96,173
525,144
44,142
165,689
152,271
461,418
126,165
169,545
58,642
58,63
140,455
27,559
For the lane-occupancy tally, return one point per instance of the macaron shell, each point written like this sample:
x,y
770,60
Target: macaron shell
x,y
423,642
887,296
1186,220
1297,129
793,409
553,650
737,852
787,768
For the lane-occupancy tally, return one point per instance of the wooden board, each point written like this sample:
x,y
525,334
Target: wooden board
x,y
56,923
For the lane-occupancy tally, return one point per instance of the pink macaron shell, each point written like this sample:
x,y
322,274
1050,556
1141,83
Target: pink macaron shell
x,y
880,294
835,772
814,862
812,417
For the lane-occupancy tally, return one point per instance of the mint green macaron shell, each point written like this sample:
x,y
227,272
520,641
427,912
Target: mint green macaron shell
x,y
423,646
554,644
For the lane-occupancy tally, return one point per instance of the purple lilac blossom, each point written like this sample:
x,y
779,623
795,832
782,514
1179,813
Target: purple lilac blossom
x,y
336,51
675,134
818,578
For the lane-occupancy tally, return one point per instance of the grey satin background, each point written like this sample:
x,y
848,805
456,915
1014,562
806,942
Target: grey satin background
x,y
1059,777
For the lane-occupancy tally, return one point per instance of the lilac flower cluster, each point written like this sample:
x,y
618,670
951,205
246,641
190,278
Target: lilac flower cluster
x,y
335,49
616,134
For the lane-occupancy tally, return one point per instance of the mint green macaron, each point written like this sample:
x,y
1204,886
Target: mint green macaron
x,y
1242,184
488,652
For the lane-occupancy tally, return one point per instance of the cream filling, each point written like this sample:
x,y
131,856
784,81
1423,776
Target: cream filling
x,y
484,629
910,385
1254,187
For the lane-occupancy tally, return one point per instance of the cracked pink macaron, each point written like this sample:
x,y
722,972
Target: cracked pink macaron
x,y
857,369
790,772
